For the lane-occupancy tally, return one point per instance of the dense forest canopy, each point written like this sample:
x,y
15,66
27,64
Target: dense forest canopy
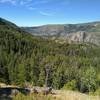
x,y
25,59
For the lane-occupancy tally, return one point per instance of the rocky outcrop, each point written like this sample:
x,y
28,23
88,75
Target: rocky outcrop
x,y
43,90
82,37
78,37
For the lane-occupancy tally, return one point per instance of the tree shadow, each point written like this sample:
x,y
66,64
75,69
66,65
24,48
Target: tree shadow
x,y
7,92
5,97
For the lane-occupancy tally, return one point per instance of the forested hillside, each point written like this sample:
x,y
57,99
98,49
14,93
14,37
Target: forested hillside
x,y
27,59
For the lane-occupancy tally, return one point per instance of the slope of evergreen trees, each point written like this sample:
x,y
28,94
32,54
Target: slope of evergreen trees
x,y
27,59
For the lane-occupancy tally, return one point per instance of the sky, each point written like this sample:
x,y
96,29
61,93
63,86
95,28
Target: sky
x,y
41,12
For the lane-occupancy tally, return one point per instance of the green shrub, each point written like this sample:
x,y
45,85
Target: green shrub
x,y
72,85
88,80
97,92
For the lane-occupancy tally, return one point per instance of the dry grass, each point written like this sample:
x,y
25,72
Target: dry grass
x,y
70,95
34,97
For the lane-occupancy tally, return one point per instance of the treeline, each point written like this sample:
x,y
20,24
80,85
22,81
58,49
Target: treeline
x,y
27,59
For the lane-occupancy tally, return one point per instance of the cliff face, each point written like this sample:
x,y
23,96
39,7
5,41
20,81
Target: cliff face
x,y
80,37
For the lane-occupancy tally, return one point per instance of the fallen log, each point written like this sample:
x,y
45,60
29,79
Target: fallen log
x,y
43,90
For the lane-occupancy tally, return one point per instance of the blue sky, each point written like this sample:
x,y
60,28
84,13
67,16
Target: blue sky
x,y
40,12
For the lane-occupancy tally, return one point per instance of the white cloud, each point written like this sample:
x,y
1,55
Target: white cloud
x,y
41,2
35,5
22,2
46,13
32,8
67,2
25,2
17,2
8,1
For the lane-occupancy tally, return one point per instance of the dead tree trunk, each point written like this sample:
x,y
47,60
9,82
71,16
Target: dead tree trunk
x,y
47,76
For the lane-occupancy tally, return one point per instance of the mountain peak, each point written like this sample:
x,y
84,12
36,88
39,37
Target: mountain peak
x,y
4,22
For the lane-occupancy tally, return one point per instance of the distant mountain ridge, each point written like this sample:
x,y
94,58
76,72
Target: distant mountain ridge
x,y
77,33
84,32
61,29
